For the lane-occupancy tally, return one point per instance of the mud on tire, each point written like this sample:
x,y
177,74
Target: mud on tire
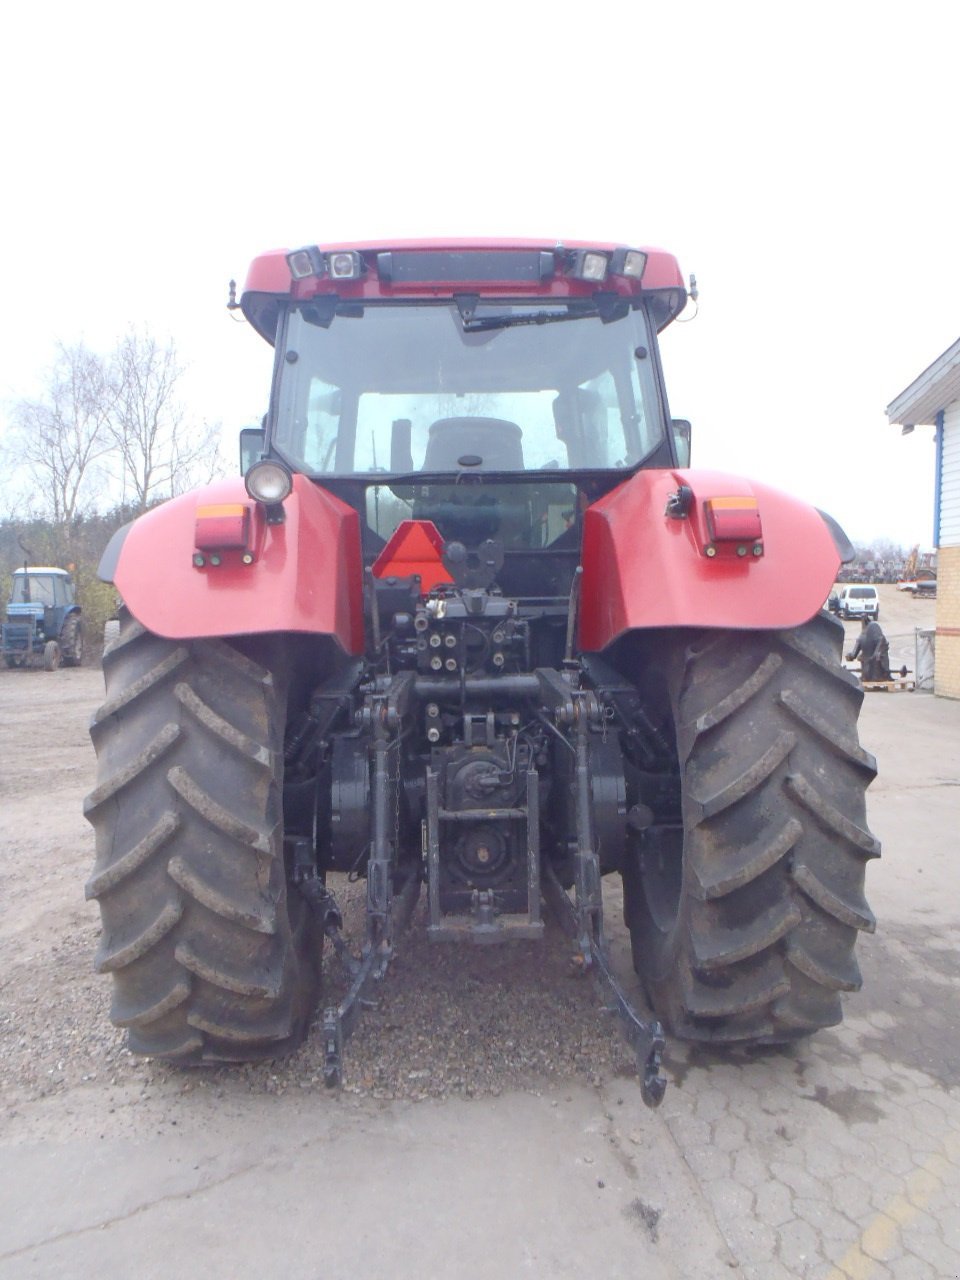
x,y
211,958
747,934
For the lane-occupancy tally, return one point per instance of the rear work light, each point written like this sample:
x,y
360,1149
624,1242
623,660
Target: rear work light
x,y
345,265
342,264
590,264
268,482
594,265
628,262
307,262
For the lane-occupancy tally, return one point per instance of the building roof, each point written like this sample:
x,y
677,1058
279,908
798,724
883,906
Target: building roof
x,y
936,387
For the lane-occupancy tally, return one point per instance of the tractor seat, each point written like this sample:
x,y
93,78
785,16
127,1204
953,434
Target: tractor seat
x,y
494,440
469,512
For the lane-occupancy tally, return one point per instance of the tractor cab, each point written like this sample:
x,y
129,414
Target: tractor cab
x,y
494,392
41,588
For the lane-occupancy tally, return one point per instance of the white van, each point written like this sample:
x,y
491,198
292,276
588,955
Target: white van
x,y
856,601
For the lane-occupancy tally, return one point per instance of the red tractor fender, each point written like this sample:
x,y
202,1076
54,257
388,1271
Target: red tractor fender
x,y
210,564
691,548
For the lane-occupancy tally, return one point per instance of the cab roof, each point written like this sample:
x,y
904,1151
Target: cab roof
x,y
269,278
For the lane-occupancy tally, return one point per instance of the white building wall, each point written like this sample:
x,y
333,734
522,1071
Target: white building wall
x,y
950,478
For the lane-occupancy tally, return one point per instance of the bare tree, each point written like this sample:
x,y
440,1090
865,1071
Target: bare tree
x,y
59,438
160,451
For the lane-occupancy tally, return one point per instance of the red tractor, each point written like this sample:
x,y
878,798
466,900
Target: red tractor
x,y
470,622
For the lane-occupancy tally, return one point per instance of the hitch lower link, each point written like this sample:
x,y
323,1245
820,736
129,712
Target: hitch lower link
x,y
644,1036
339,1019
582,915
363,971
388,909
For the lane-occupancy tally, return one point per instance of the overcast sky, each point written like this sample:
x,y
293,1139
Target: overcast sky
x,y
801,160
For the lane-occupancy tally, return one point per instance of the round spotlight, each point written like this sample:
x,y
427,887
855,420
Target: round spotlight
x,y
268,482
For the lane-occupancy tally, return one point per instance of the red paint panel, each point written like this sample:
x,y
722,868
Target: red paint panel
x,y
306,576
641,568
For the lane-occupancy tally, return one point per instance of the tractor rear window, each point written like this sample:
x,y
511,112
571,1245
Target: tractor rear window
x,y
519,515
399,389
377,412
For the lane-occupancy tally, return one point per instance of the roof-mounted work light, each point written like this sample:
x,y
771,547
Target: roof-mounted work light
x,y
306,262
628,262
345,265
590,264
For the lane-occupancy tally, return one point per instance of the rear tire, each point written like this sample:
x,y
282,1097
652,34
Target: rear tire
x,y
71,641
747,935
212,957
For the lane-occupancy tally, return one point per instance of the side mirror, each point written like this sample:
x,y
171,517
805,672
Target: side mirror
x,y
681,440
251,447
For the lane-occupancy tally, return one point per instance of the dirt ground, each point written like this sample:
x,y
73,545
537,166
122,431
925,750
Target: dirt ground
x,y
491,1124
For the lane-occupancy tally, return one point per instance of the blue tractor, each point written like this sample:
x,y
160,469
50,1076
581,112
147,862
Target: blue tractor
x,y
43,626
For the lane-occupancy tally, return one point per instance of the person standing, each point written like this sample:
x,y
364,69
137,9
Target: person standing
x,y
873,650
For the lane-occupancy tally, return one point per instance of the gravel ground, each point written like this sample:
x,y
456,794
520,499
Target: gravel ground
x,y
461,1021
479,1019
